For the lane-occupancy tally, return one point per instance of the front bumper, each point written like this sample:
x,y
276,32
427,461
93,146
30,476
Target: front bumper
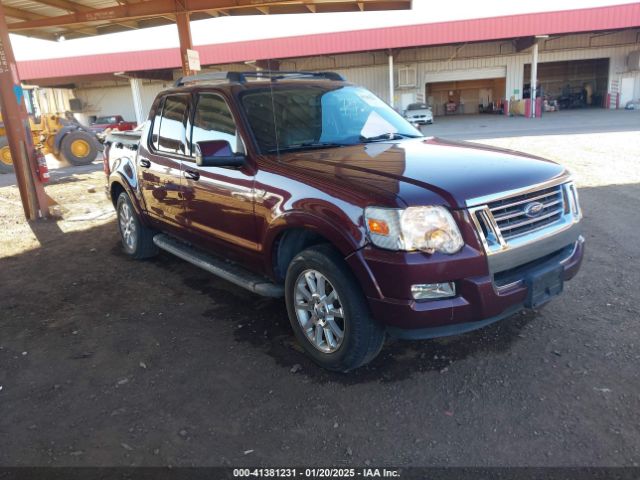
x,y
481,298
420,121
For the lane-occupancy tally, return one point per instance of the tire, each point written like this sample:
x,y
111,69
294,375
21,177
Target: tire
x,y
6,163
362,338
79,147
137,240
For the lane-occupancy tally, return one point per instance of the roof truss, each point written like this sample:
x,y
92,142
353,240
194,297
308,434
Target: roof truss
x,y
75,18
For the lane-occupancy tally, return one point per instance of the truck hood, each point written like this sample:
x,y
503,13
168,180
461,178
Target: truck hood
x,y
427,170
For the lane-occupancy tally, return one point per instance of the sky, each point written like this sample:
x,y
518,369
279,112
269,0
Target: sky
x,y
232,29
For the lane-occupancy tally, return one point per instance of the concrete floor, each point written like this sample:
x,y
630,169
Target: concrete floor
x,y
473,127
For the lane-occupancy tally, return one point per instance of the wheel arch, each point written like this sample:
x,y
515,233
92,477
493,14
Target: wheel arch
x,y
296,231
117,185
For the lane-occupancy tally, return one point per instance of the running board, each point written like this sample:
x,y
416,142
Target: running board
x,y
228,271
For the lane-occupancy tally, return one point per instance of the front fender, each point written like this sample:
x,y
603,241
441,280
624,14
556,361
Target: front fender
x,y
340,238
345,243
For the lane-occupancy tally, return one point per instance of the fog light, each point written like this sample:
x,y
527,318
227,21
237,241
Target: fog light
x,y
428,291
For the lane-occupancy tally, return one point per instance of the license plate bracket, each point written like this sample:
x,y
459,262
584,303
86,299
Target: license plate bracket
x,y
543,285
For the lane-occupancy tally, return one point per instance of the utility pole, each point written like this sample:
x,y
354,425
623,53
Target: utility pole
x,y
16,123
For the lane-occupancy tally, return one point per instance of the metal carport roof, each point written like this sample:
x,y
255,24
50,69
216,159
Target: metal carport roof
x,y
484,29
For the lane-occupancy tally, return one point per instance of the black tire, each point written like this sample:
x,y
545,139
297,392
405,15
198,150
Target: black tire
x,y
142,246
363,337
82,156
4,166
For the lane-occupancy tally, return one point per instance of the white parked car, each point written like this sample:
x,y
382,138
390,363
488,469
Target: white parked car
x,y
419,113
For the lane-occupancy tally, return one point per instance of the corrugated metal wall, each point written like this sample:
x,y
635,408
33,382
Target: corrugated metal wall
x,y
374,78
370,69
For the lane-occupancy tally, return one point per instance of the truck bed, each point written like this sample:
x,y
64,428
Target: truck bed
x,y
120,144
126,138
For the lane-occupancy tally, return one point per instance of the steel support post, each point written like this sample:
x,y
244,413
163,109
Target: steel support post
x,y
16,123
391,82
186,43
534,79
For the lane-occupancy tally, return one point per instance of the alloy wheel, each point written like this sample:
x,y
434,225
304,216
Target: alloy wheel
x,y
128,226
319,311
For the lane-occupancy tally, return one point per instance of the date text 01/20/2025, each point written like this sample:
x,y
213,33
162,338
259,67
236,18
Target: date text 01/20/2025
x,y
316,473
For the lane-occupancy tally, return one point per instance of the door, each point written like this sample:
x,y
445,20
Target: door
x,y
406,99
219,201
159,161
626,90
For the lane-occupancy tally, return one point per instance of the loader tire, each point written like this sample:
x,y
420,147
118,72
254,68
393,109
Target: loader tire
x,y
6,163
79,148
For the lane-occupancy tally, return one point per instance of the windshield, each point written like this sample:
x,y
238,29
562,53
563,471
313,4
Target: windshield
x,y
316,116
105,120
418,106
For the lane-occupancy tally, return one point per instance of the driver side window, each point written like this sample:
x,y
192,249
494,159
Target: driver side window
x,y
213,121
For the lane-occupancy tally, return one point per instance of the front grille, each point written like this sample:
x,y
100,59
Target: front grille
x,y
512,219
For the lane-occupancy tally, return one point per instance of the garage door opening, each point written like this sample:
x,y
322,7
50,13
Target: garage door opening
x,y
572,84
466,97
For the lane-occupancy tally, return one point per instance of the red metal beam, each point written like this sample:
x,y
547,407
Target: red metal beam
x,y
16,124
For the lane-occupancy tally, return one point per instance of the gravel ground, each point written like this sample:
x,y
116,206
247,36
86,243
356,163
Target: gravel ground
x,y
107,361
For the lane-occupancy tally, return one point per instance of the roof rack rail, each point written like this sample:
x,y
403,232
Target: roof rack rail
x,y
242,77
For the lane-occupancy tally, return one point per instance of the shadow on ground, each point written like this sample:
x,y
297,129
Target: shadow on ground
x,y
67,265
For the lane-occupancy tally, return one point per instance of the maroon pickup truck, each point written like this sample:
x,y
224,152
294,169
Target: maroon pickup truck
x,y
304,186
111,122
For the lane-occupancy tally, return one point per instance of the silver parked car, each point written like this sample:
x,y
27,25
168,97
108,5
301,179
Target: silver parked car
x,y
419,113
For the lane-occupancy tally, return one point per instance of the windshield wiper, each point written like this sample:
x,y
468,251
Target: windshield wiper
x,y
306,146
387,136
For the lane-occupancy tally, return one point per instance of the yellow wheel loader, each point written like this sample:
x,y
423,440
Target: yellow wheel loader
x,y
61,136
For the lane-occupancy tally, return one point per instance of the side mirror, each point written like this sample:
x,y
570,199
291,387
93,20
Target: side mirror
x,y
217,153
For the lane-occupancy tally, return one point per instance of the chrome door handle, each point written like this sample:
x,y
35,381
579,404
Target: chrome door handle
x,y
144,163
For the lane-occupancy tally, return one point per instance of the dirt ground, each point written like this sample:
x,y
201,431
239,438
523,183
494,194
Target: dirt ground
x,y
109,361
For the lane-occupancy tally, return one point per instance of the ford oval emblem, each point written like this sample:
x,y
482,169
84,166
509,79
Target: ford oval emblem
x,y
533,209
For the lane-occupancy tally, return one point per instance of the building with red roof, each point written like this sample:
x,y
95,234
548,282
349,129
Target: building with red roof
x,y
458,67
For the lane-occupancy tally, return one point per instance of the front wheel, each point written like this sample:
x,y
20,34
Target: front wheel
x,y
79,147
328,311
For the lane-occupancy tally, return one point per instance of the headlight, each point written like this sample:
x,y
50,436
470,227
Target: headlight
x,y
428,229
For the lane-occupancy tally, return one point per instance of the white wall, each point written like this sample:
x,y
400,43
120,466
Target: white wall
x,y
114,98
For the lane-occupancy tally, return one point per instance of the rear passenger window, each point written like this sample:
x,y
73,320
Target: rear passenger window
x,y
172,135
156,125
213,121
